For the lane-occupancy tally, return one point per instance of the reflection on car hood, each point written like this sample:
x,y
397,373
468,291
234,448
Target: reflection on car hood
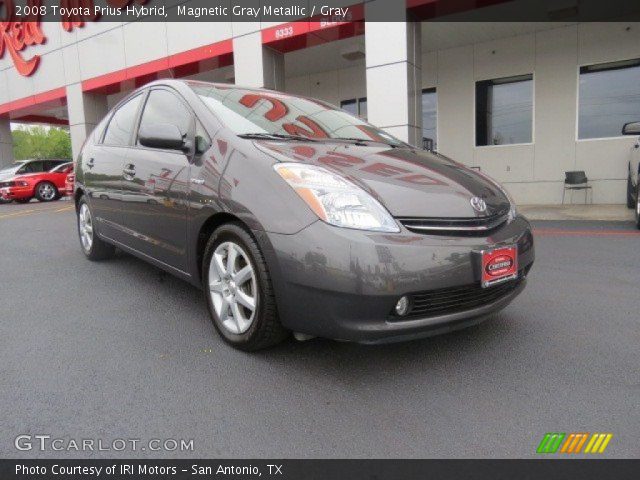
x,y
410,183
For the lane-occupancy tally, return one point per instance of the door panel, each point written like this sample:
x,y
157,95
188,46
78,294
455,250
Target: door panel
x,y
103,182
103,164
154,205
155,188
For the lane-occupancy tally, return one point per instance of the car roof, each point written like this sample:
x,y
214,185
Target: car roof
x,y
182,82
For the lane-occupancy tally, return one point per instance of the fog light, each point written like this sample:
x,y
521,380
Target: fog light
x,y
402,307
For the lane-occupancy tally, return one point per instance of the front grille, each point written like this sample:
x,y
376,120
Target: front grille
x,y
457,299
454,226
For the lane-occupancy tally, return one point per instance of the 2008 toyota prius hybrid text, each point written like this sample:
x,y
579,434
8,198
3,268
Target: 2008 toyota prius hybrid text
x,y
294,216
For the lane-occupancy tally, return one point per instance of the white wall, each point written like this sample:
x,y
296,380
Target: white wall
x,y
99,48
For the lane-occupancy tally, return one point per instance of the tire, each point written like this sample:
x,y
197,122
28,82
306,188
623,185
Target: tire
x,y
241,327
22,200
92,246
638,206
46,192
630,200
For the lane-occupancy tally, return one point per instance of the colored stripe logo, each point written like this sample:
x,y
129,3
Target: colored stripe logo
x,y
556,442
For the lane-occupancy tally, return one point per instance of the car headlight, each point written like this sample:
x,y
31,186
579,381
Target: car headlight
x,y
336,200
513,210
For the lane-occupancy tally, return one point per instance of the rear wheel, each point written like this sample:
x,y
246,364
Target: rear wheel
x,y
638,206
238,290
630,201
46,192
92,246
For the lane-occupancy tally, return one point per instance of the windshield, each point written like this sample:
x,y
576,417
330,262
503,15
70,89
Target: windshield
x,y
10,168
246,112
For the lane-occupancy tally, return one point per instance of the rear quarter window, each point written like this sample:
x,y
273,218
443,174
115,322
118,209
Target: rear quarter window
x,y
122,123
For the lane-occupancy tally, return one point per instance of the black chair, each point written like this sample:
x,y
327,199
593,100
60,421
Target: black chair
x,y
577,180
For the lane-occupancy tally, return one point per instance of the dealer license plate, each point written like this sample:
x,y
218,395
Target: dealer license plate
x,y
499,265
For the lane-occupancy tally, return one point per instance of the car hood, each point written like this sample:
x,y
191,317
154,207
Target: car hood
x,y
408,182
7,176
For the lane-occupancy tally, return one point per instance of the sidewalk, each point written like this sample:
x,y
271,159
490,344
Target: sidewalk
x,y
577,212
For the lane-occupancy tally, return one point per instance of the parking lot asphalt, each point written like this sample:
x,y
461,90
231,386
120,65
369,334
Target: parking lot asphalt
x,y
114,350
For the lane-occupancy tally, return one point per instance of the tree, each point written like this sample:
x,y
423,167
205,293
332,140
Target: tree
x,y
40,142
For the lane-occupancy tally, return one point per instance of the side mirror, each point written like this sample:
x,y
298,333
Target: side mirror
x,y
161,135
631,128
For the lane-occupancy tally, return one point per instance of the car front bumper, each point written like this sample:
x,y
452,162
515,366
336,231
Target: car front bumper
x,y
344,284
16,193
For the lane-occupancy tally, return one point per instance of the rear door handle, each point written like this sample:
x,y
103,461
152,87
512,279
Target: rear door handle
x,y
129,172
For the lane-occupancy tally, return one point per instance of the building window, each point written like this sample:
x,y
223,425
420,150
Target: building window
x,y
504,111
355,106
429,119
609,97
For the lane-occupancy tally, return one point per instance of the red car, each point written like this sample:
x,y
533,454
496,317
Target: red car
x,y
45,186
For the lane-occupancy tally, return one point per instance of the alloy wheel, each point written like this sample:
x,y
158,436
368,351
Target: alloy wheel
x,y
85,226
46,191
233,287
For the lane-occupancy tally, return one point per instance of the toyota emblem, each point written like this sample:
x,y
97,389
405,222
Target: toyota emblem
x,y
478,204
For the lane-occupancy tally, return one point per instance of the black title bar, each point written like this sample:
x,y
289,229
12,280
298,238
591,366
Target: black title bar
x,y
548,469
317,10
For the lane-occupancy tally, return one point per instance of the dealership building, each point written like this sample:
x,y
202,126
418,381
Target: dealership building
x,y
522,102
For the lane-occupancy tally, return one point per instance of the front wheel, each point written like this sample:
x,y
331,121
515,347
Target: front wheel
x,y
46,192
92,246
238,290
630,201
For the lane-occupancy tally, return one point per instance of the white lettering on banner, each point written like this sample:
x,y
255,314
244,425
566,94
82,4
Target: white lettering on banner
x,y
284,32
334,11
245,11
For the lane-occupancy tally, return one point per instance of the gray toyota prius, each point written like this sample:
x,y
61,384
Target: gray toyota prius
x,y
294,216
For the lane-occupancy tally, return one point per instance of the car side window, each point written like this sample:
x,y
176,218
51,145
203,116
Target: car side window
x,y
50,165
32,167
99,130
165,107
122,123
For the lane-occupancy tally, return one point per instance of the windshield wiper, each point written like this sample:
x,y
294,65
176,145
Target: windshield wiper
x,y
362,140
276,136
